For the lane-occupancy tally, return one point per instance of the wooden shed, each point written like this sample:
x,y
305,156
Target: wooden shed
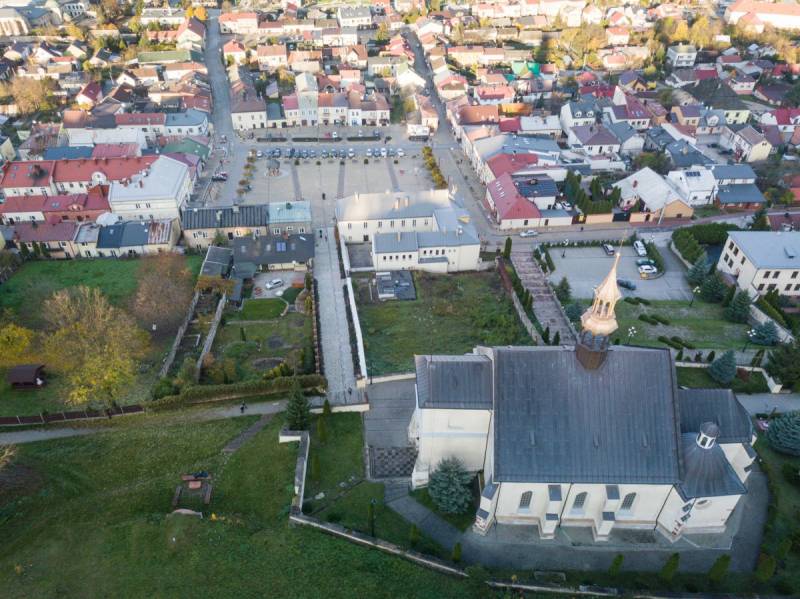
x,y
26,376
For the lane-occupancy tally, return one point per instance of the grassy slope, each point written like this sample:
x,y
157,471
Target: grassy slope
x,y
703,324
452,314
97,526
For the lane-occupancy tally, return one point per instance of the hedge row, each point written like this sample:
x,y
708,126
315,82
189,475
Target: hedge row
x,y
655,255
771,311
687,245
636,300
237,390
670,342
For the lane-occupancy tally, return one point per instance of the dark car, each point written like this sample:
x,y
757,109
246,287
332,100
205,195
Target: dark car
x,y
626,284
219,177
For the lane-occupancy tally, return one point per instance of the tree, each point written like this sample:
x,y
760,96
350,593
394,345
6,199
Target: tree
x,y
557,338
326,408
188,12
574,312
765,333
616,565
382,34
729,295
760,221
507,249
322,430
298,413
164,292
670,568
719,569
783,433
219,239
92,343
713,288
701,33
563,290
110,10
723,369
739,308
449,487
75,32
16,345
699,270
784,363
546,335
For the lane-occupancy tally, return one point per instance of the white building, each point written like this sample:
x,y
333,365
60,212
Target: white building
x,y
681,56
158,192
594,436
762,261
697,185
427,230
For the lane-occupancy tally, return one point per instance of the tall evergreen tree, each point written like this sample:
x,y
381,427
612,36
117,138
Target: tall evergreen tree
x,y
507,249
298,413
723,369
713,289
784,363
449,486
697,273
739,308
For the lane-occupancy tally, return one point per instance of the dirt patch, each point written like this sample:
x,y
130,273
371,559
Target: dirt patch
x,y
18,479
275,342
266,363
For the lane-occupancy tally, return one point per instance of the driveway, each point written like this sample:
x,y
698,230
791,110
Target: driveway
x,y
287,277
391,405
585,267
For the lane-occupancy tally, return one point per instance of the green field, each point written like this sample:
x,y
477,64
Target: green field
x,y
452,314
259,309
88,517
703,325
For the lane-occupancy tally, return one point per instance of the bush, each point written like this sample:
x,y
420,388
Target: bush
x,y
414,536
644,301
783,433
711,356
550,264
670,568
616,565
771,311
563,290
163,388
699,270
647,318
666,340
679,356
791,473
456,555
655,255
574,312
719,569
713,288
449,487
662,319
723,369
765,334
765,568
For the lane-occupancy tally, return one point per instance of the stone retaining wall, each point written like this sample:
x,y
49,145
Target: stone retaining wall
x,y
179,337
212,332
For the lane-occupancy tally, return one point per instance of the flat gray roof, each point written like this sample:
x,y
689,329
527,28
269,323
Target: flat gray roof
x,y
769,249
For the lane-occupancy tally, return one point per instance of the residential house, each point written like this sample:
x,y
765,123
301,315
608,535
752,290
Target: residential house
x,y
158,191
652,196
137,238
289,218
593,140
736,186
746,143
681,56
201,225
270,252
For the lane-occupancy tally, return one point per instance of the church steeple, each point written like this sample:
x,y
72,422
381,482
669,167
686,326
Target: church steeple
x,y
600,319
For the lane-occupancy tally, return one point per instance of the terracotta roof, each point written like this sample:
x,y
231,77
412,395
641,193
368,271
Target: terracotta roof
x,y
502,164
120,150
141,118
114,169
27,173
58,231
508,202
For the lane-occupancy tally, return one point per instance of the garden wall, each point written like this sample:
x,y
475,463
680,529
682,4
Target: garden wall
x,y
758,317
179,337
212,332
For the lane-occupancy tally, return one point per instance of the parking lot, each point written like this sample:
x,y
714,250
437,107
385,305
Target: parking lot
x,y
586,267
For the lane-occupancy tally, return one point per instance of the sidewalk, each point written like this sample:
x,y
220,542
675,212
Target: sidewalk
x,y
222,412
760,403
431,525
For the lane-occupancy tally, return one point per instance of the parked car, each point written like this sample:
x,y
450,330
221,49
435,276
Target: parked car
x,y
335,135
384,152
351,153
625,283
259,154
219,177
290,153
528,233
400,152
323,154
274,283
640,249
369,152
646,270
608,249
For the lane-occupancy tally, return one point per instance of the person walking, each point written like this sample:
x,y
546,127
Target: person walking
x,y
242,408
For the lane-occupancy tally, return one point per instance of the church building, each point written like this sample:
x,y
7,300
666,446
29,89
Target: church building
x,y
595,435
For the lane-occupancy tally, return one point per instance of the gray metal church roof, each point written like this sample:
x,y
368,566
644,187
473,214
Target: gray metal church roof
x,y
556,421
460,382
719,406
707,472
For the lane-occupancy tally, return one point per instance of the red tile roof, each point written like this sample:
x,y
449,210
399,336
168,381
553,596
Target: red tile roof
x,y
60,231
27,173
502,164
141,118
114,169
508,202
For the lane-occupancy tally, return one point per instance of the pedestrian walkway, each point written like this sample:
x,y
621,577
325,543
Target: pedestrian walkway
x,y
766,403
431,525
338,359
392,175
246,435
390,453
545,304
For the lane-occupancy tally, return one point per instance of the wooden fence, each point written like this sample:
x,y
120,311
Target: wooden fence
x,y
73,416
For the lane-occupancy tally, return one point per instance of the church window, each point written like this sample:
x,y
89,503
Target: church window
x,y
627,503
525,501
580,501
702,504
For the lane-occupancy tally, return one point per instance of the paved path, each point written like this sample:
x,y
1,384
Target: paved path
x,y
246,435
430,524
392,174
758,403
545,304
33,435
336,352
298,195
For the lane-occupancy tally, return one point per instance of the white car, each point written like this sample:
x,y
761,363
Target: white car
x,y
274,283
640,249
646,269
528,233
400,152
335,135
384,152
259,154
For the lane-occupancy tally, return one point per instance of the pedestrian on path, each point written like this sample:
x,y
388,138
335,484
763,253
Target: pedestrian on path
x,y
243,407
350,391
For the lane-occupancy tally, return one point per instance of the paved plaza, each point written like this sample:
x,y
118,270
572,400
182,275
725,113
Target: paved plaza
x,y
585,267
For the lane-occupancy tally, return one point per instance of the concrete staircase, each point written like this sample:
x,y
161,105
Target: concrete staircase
x,y
246,435
545,303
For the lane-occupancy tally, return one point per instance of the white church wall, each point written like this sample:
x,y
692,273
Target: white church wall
x,y
738,458
509,510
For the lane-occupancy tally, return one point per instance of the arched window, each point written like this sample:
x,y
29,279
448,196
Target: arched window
x,y
525,501
580,500
627,503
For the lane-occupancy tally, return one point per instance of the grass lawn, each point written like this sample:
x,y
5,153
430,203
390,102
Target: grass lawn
x,y
460,521
282,337
259,309
452,314
698,378
702,325
341,459
88,517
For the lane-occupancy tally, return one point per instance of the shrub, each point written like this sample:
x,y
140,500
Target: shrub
x,y
546,335
723,369
507,248
662,319
679,356
670,568
710,357
666,340
563,290
765,569
449,486
163,388
765,333
719,569
655,255
456,555
699,270
414,536
550,265
322,430
616,565
644,301
574,312
713,288
784,363
791,473
771,311
557,338
729,294
783,433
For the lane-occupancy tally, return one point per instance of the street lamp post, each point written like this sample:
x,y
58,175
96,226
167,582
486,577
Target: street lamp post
x,y
750,334
564,251
631,333
695,291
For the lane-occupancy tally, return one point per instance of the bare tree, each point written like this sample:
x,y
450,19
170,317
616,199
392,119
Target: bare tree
x,y
165,290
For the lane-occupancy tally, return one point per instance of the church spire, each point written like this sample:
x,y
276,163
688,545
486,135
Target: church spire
x,y
599,319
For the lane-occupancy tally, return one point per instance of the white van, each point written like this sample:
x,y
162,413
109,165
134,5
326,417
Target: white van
x,y
640,249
